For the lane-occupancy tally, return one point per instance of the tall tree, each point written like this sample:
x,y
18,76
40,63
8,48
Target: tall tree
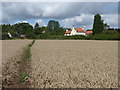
x,y
53,27
98,25
22,28
37,30
36,26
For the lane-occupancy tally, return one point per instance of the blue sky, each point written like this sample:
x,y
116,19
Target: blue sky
x,y
67,13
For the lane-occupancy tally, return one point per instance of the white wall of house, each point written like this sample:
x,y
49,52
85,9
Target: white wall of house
x,y
80,33
66,34
74,32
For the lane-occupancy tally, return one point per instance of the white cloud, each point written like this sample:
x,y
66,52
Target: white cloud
x,y
21,22
83,19
60,1
39,21
49,11
52,10
87,20
76,13
24,21
111,20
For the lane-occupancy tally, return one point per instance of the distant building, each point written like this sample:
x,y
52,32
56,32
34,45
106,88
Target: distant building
x,y
88,32
22,36
77,31
9,34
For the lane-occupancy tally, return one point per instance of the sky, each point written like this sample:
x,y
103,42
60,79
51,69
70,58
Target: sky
x,y
67,13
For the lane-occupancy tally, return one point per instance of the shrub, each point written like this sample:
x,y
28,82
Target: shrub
x,y
78,37
104,36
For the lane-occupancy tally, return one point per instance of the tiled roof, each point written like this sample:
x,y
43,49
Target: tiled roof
x,y
88,32
68,32
79,30
22,35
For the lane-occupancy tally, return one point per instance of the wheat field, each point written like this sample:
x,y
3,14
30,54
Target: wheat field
x,y
63,63
74,63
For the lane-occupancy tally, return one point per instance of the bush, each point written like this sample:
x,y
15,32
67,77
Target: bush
x,y
75,37
106,36
78,37
89,37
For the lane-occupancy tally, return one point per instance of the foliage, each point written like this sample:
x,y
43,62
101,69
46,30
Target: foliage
x,y
22,77
98,24
76,37
107,35
27,57
16,30
5,29
22,28
27,52
54,31
37,29
54,28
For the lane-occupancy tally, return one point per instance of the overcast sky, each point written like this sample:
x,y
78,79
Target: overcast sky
x,y
67,13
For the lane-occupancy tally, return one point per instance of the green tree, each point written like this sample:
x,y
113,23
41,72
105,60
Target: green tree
x,y
36,26
53,27
98,25
5,29
22,28
37,29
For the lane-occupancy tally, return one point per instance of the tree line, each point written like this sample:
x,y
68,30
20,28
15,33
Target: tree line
x,y
102,31
32,32
53,30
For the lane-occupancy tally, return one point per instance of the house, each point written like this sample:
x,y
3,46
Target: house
x,y
75,31
88,32
22,36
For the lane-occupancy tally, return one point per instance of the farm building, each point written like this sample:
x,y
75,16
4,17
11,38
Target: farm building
x,y
22,36
88,32
77,31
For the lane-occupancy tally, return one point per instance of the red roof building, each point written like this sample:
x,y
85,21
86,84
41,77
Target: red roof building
x,y
89,32
68,32
22,36
77,31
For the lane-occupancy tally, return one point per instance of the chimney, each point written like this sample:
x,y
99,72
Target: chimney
x,y
83,27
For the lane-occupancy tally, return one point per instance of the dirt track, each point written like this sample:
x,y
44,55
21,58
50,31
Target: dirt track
x,y
12,51
69,63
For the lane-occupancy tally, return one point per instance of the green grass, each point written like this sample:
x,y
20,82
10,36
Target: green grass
x,y
23,77
27,57
32,43
27,52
